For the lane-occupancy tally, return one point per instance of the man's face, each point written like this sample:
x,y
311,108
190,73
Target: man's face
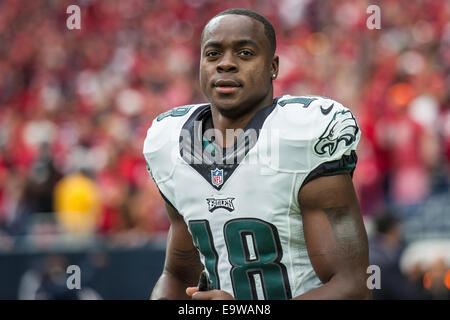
x,y
236,64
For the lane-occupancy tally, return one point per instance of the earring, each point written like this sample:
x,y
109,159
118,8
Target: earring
x,y
274,76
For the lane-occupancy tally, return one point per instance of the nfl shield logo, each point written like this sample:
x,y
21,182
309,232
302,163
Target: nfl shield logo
x,y
217,177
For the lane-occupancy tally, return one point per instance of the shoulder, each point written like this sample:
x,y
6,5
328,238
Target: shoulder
x,y
167,125
162,139
312,130
317,119
314,111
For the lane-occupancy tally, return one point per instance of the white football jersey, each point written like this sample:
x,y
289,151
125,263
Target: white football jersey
x,y
241,204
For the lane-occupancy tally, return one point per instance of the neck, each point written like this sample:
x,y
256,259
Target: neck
x,y
221,122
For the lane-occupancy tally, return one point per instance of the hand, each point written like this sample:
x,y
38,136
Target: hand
x,y
208,295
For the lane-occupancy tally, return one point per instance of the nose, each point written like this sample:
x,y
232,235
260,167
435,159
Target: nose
x,y
227,63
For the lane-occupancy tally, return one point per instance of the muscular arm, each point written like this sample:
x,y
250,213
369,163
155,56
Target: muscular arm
x,y
182,266
335,238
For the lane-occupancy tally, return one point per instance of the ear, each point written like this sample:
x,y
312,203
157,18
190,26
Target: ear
x,y
274,66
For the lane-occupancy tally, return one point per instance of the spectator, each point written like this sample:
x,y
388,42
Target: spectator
x,y
77,204
385,248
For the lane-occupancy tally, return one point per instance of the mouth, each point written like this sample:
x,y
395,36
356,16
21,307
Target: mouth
x,y
227,86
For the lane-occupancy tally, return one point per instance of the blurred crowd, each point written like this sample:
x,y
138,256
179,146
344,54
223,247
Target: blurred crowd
x,y
75,104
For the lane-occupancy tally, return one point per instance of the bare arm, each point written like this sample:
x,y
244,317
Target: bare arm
x,y
182,266
335,238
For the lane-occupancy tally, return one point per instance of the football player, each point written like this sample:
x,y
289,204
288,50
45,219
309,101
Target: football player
x,y
268,211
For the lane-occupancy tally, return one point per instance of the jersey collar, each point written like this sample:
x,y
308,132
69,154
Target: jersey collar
x,y
217,166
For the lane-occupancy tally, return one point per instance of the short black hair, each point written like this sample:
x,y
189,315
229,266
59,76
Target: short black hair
x,y
269,31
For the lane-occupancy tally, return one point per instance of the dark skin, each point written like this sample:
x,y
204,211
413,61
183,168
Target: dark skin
x,y
182,266
335,236
234,56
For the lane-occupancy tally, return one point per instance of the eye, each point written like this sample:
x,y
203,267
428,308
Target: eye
x,y
245,52
212,53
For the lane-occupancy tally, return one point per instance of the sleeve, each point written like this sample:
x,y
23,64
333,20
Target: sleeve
x,y
346,164
319,137
333,147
